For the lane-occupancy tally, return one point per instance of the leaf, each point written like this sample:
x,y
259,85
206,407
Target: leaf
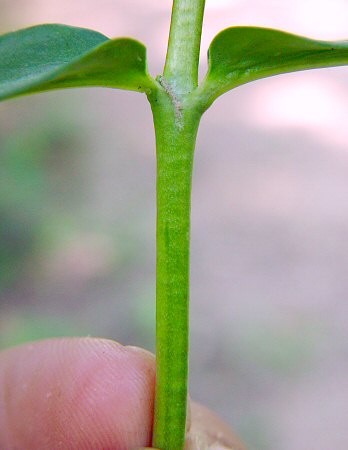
x,y
239,55
47,57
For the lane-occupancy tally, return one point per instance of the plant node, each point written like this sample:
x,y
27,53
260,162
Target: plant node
x,y
178,106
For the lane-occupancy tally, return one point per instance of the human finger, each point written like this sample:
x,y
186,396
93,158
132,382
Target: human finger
x,y
209,432
76,393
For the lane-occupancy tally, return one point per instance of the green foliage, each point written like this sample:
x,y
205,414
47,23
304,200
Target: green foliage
x,y
239,55
49,57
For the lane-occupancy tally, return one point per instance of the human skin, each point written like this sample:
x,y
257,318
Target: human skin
x,y
88,394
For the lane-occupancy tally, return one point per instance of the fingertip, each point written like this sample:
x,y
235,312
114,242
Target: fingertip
x,y
76,393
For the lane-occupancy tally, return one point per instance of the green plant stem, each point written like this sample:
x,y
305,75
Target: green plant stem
x,y
176,121
181,68
175,141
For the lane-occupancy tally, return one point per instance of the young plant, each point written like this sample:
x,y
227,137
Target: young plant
x,y
47,57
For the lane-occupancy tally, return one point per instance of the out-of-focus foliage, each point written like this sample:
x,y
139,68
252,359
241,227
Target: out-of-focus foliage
x,y
18,329
26,179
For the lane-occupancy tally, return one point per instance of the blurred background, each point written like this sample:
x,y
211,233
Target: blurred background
x,y
269,302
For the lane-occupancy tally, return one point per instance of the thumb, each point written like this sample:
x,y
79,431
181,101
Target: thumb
x,y
80,393
208,432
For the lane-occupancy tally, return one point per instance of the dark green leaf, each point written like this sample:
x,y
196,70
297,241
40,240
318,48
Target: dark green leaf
x,y
49,57
241,54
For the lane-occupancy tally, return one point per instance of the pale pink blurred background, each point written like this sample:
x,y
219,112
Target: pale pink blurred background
x,y
270,217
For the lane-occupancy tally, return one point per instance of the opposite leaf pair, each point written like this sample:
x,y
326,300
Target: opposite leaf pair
x,y
48,57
